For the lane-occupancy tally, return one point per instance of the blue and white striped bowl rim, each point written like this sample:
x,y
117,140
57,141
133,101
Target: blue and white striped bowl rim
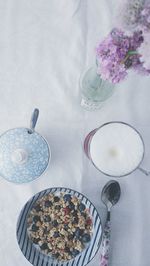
x,y
34,256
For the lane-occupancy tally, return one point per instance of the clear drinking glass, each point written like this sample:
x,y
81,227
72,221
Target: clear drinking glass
x,y
87,150
94,90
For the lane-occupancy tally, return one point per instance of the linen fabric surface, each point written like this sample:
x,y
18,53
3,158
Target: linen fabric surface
x,y
44,48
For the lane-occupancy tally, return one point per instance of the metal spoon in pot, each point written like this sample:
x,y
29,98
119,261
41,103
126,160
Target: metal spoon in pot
x,y
110,196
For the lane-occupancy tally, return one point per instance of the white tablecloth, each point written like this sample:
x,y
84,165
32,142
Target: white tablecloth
x,y
44,48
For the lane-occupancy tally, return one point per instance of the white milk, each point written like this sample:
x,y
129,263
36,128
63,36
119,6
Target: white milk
x,y
116,149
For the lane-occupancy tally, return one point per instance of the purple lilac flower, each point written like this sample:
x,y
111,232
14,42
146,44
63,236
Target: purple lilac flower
x,y
139,66
118,53
144,50
128,14
144,22
133,14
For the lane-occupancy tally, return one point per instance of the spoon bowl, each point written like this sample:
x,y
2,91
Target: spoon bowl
x,y
111,193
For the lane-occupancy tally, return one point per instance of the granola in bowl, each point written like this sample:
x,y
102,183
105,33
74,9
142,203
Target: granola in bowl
x,y
60,225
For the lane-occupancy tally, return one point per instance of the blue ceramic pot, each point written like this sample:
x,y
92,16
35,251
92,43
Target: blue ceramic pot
x,y
24,154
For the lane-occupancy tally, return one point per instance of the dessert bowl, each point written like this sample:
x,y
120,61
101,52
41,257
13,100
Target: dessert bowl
x,y
40,253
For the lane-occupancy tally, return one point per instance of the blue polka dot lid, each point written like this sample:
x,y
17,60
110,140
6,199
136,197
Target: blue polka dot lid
x,y
24,154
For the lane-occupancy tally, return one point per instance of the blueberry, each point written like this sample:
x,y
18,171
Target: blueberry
x,y
54,223
36,240
75,213
34,228
56,234
86,238
53,256
84,214
67,250
44,246
70,237
36,219
57,207
66,227
56,255
71,206
48,203
75,252
81,207
78,233
47,218
38,208
56,199
67,197
75,220
45,232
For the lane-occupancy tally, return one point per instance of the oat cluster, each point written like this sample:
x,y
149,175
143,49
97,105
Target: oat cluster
x,y
60,226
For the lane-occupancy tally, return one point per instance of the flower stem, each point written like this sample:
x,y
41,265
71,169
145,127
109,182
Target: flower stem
x,y
132,52
129,53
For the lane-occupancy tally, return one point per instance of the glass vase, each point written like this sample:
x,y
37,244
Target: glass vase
x,y
94,90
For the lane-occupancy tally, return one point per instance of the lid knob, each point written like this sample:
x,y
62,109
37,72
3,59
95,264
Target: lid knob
x,y
19,156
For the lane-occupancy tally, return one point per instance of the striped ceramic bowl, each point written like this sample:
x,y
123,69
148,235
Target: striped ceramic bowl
x,y
34,256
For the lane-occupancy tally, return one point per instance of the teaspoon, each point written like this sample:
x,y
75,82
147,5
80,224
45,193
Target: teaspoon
x,y
110,196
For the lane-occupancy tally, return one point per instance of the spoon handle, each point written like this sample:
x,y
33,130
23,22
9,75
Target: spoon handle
x,y
34,119
104,257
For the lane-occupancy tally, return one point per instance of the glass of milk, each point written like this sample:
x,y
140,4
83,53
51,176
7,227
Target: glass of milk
x,y
116,149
